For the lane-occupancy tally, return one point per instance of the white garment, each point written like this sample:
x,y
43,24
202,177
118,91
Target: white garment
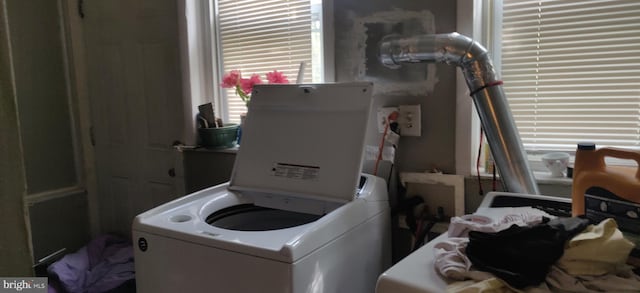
x,y
598,250
461,226
451,261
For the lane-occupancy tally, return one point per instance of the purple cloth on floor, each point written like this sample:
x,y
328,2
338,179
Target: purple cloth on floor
x,y
104,264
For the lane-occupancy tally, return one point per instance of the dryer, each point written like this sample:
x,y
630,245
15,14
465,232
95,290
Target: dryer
x,y
416,272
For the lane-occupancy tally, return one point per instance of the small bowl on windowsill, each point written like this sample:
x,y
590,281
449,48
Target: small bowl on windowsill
x,y
220,137
556,162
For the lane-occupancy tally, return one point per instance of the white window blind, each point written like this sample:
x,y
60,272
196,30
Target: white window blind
x,y
262,36
571,72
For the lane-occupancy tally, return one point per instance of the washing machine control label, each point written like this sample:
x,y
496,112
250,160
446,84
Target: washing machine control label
x,y
295,171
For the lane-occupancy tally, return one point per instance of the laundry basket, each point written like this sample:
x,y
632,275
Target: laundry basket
x,y
220,137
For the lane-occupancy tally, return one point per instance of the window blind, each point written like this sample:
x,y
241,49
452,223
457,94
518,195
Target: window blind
x,y
262,36
571,72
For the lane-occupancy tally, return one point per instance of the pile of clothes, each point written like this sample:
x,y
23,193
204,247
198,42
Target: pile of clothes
x,y
531,251
105,264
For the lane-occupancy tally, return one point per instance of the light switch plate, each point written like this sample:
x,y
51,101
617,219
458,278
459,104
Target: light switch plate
x,y
410,120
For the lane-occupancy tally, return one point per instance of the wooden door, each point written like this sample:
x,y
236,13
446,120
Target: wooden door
x,y
134,78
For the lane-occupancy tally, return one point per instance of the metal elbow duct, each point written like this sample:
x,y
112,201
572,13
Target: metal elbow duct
x,y
486,92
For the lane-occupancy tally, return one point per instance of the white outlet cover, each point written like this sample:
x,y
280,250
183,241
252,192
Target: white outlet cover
x,y
410,120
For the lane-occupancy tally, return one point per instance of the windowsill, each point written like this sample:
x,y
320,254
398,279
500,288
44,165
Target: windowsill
x,y
541,178
545,178
232,150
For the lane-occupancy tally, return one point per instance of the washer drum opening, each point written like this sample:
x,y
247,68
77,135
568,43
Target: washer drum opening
x,y
249,217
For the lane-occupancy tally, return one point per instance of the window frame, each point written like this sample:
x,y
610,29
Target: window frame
x,y
470,22
199,54
473,20
220,99
492,19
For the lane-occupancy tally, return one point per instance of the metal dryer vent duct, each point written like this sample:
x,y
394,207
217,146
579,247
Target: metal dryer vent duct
x,y
485,90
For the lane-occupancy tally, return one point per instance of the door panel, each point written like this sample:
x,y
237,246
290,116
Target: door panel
x,y
116,204
160,193
157,87
136,100
110,95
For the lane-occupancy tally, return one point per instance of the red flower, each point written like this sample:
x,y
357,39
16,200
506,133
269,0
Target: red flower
x,y
276,77
244,86
247,83
231,79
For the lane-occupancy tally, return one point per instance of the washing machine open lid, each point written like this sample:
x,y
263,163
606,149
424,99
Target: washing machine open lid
x,y
303,141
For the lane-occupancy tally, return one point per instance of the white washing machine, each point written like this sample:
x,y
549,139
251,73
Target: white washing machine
x,y
296,216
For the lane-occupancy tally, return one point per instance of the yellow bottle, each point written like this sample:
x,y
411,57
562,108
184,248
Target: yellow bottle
x,y
600,191
596,186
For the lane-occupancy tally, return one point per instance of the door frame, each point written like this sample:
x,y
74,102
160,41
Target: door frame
x,y
73,30
16,251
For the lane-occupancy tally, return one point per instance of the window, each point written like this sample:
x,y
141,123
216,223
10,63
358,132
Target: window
x,y
571,71
261,36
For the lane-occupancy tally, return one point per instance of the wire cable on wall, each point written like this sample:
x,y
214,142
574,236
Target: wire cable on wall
x,y
480,192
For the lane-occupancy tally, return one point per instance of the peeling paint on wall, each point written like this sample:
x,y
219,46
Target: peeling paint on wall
x,y
362,52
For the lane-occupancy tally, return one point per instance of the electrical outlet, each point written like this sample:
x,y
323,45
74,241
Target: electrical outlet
x,y
382,114
410,120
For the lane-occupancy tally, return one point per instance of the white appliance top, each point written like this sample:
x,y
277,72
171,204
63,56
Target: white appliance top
x,y
184,219
304,140
416,272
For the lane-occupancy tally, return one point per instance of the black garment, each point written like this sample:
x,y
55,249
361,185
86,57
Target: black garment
x,y
522,256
